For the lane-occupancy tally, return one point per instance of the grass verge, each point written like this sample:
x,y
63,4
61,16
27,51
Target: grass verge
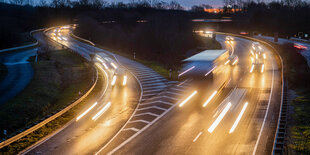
x,y
52,126
60,77
297,74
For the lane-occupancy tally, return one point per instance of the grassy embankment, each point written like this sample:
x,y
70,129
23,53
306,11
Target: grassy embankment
x,y
58,79
298,75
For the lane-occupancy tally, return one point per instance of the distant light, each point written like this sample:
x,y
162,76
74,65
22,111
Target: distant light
x,y
188,98
113,80
186,70
238,118
209,99
124,80
219,118
105,108
84,113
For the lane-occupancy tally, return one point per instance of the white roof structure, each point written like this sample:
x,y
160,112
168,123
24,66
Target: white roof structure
x,y
207,55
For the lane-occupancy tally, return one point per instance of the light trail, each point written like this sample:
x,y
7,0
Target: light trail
x,y
252,68
235,62
262,70
219,118
238,118
188,98
227,62
199,134
186,70
252,59
113,65
209,99
113,80
105,108
105,66
210,70
125,80
85,112
264,55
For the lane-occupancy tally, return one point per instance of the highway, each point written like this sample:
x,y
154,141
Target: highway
x,y
19,73
87,134
188,130
152,115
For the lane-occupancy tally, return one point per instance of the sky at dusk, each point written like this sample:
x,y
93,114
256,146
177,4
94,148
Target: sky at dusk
x,y
185,3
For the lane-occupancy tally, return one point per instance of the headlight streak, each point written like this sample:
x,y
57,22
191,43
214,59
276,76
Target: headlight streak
x,y
113,80
264,56
219,118
252,52
102,62
113,65
105,108
124,80
85,112
210,70
252,68
238,118
227,62
188,98
209,99
235,62
252,59
187,70
262,70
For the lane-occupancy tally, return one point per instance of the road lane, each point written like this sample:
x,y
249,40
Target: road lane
x,y
19,73
175,133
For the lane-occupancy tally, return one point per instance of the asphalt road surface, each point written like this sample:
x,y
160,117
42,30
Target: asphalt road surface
x,y
19,73
186,130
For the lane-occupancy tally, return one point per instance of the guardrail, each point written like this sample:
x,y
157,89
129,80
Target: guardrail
x,y
39,125
25,46
81,39
280,131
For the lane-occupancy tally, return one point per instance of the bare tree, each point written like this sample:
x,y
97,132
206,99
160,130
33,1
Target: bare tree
x,y
174,5
17,2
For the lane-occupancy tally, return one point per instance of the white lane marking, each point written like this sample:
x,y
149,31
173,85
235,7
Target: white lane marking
x,y
133,129
147,113
172,98
197,136
182,82
153,81
153,84
173,93
153,90
263,125
140,120
135,135
151,107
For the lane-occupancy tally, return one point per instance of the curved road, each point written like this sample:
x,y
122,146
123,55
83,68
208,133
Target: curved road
x,y
19,73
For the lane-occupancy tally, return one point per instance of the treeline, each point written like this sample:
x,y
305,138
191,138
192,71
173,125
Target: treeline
x,y
163,37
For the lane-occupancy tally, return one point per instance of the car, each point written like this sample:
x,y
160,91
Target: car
x,y
232,60
120,77
257,47
258,61
229,38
